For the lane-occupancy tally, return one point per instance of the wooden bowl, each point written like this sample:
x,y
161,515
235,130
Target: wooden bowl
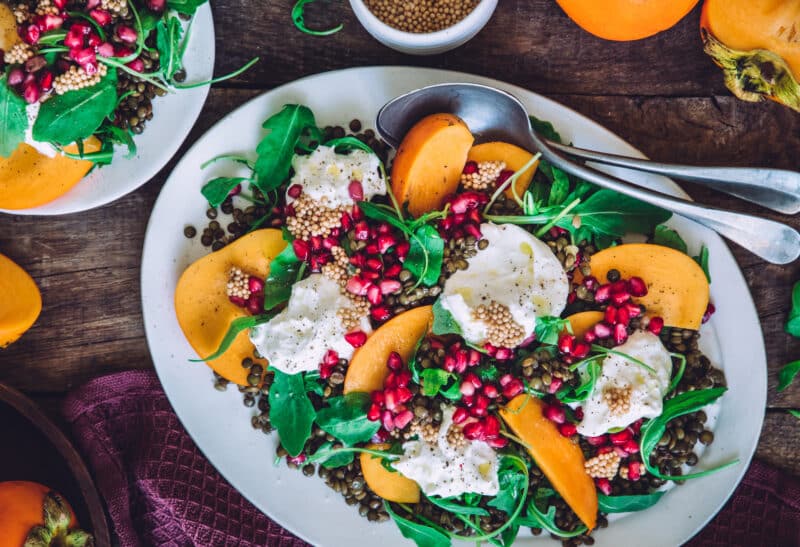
x,y
36,450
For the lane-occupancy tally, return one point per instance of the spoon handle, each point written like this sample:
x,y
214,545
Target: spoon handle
x,y
776,189
774,242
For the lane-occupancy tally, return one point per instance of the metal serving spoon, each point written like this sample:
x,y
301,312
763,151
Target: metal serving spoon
x,y
492,114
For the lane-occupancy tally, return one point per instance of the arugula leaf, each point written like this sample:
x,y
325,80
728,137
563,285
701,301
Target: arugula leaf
x,y
443,320
549,328
276,149
168,41
422,535
298,17
680,405
346,418
282,275
627,504
187,7
452,505
559,188
509,535
339,459
795,413
382,213
545,129
702,260
348,143
76,115
237,325
434,379
793,324
589,377
425,255
121,136
668,237
512,486
290,411
787,374
535,518
313,383
13,119
217,189
612,214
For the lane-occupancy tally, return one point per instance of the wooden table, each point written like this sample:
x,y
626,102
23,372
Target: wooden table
x,y
662,94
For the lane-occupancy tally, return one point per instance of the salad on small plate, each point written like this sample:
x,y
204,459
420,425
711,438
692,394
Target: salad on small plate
x,y
459,337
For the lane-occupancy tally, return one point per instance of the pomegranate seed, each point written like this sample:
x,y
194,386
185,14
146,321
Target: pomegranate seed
x,y
136,65
620,438
91,4
331,358
388,420
566,343
620,286
555,385
294,191
620,451
122,51
633,309
460,415
610,316
30,33
600,440
474,380
325,371
101,17
497,442
255,304
467,388
403,419
468,400
555,414
634,471
513,388
581,350
655,325
316,243
491,426
127,34
709,312
83,56
402,249
390,399
16,77
505,379
81,28
619,298
238,300
374,264
568,430
589,337
31,93
374,413
491,391
394,362
378,397
620,334
374,295
358,260
357,285
390,286
393,271
357,213
473,230
329,243
156,5
637,426
356,339
503,354
637,286
46,80
370,275
478,412
470,168
60,4
631,447
466,201
380,313
391,381
622,316
604,486
386,242
355,190
602,294
255,285
601,330
297,460
449,363
590,282
403,394
301,250
481,401
381,436
473,430
361,231
106,50
475,216
49,22
474,358
346,221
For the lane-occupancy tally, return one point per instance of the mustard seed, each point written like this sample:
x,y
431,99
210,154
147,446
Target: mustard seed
x,y
421,16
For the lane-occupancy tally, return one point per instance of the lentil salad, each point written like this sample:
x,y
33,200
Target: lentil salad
x,y
544,368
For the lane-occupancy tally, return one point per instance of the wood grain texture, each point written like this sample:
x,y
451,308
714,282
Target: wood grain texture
x,y
661,94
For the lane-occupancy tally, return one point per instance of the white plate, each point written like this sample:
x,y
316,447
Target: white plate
x,y
173,117
220,424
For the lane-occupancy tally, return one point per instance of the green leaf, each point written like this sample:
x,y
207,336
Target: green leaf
x,y
314,383
187,7
237,325
346,419
434,379
443,320
422,535
425,255
796,299
680,405
509,535
512,486
217,190
276,149
668,237
549,328
13,119
627,504
338,459
793,324
282,275
453,392
453,505
290,411
545,129
611,214
589,377
535,518
76,115
795,413
168,41
382,213
298,17
702,260
346,144
787,374
120,136
559,188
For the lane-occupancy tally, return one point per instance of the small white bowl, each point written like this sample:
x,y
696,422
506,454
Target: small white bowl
x,y
428,43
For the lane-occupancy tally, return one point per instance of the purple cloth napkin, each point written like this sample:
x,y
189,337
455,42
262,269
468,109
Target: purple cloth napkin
x,y
161,490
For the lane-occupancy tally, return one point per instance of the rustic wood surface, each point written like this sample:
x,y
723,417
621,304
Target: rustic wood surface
x,y
662,94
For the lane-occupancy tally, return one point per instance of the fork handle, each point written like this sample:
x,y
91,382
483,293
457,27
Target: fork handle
x,y
776,189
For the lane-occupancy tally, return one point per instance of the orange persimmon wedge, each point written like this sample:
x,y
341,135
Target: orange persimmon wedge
x,y
560,459
390,486
367,370
582,322
430,161
29,179
201,300
625,20
21,301
678,289
514,157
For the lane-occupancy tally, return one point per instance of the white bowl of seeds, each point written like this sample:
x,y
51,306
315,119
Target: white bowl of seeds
x,y
423,27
